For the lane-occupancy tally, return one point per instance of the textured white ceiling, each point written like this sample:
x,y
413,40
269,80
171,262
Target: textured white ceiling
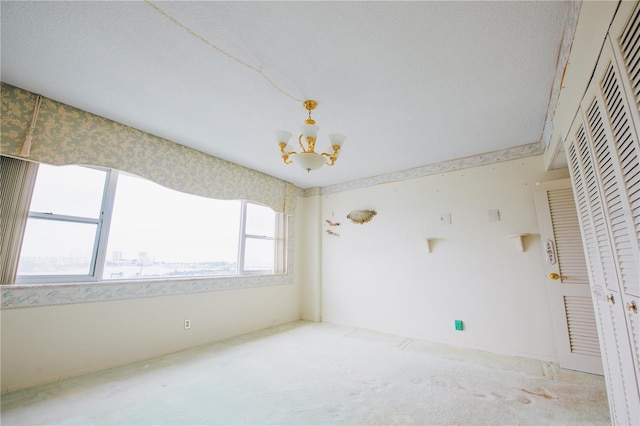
x,y
408,83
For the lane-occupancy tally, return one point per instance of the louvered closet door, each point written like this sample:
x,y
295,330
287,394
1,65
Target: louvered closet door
x,y
605,164
601,269
626,38
625,44
574,322
612,116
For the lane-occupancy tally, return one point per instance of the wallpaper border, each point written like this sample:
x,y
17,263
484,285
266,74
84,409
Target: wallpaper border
x,y
561,65
508,154
28,296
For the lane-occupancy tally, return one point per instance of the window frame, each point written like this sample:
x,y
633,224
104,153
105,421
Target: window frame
x,y
99,251
244,236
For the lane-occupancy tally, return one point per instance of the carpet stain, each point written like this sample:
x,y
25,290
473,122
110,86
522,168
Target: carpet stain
x,y
541,393
523,400
520,399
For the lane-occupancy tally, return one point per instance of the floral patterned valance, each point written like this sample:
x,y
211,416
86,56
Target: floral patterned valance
x,y
67,135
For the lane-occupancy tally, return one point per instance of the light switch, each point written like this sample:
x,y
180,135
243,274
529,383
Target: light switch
x,y
494,215
445,219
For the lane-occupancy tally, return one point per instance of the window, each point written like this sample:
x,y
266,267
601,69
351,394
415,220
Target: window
x,y
65,224
95,224
258,239
159,232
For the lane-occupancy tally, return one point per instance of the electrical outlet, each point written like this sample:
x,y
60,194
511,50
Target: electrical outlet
x,y
187,324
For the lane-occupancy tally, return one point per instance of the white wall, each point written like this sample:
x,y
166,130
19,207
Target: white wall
x,y
45,344
380,275
308,257
48,343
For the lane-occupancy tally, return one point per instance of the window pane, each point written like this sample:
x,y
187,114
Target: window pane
x,y
261,220
52,247
258,255
159,232
68,190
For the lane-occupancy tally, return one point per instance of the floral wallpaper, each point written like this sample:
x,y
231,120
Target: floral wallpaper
x,y
67,135
60,294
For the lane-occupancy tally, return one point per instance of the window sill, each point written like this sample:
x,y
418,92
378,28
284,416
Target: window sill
x,y
33,295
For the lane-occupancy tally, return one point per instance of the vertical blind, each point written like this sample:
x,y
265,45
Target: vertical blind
x,y
17,178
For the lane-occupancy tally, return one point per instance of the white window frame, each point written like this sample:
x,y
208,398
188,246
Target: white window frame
x,y
102,223
279,238
102,236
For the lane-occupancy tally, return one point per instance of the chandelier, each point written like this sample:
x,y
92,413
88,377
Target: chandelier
x,y
308,158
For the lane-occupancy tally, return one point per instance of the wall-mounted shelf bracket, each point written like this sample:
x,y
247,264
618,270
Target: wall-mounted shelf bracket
x,y
430,243
519,240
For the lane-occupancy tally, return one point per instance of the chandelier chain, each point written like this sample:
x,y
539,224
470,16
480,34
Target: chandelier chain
x,y
221,51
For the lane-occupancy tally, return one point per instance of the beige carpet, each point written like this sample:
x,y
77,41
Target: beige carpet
x,y
308,373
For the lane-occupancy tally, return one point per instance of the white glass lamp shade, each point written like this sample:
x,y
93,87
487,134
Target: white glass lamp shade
x,y
309,130
336,139
283,136
309,160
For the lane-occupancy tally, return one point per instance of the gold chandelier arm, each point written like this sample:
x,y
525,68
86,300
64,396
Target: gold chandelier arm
x,y
285,155
334,156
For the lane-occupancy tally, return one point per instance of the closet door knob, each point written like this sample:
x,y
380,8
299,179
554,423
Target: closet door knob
x,y
631,306
610,298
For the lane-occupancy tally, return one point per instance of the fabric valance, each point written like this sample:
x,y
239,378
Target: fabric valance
x,y
66,135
